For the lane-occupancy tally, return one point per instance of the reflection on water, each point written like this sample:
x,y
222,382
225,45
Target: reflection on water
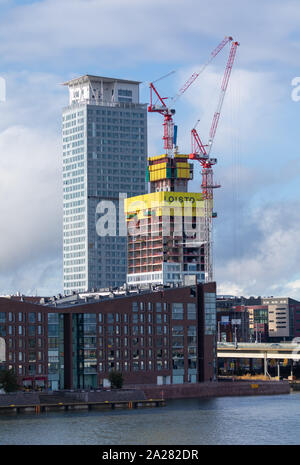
x,y
223,420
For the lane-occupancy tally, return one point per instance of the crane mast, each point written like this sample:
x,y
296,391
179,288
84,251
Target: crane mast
x,y
200,152
169,141
202,155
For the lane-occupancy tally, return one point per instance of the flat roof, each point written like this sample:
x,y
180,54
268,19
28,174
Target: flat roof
x,y
89,77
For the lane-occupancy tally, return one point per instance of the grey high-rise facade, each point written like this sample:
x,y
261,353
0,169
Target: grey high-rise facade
x,y
104,157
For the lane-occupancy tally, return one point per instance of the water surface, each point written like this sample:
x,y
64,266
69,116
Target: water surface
x,y
224,420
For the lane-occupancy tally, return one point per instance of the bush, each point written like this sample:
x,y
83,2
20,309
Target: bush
x,y
116,379
9,381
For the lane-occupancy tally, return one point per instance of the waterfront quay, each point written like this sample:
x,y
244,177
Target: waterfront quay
x,y
74,400
38,408
133,398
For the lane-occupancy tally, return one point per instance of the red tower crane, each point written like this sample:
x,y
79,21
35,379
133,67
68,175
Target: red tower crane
x,y
201,153
168,112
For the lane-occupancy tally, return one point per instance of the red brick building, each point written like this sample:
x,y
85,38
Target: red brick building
x,y
160,336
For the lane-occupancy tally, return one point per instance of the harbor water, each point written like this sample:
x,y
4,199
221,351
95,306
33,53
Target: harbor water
x,y
251,420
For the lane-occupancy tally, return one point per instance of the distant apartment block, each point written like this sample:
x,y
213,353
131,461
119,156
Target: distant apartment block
x,y
104,154
283,318
233,324
260,319
258,323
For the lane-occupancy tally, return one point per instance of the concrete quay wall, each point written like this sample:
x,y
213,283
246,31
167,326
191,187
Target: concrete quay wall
x,y
144,392
20,398
216,389
107,395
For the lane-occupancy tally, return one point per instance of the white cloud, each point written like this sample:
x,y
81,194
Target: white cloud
x,y
151,29
269,262
31,183
42,278
33,99
30,201
251,106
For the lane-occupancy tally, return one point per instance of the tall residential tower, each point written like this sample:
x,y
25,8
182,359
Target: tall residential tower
x,y
104,156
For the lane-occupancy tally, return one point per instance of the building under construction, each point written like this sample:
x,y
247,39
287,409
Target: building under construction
x,y
164,226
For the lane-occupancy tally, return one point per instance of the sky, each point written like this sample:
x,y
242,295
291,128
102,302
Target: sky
x,y
44,43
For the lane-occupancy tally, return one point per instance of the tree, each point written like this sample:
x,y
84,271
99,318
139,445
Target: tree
x,y
9,381
116,379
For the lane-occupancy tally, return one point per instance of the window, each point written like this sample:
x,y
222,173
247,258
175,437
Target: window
x,y
177,336
110,330
52,317
31,317
191,311
177,311
192,337
110,318
31,331
135,366
89,318
32,356
159,341
2,317
31,369
210,312
134,306
159,365
125,93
